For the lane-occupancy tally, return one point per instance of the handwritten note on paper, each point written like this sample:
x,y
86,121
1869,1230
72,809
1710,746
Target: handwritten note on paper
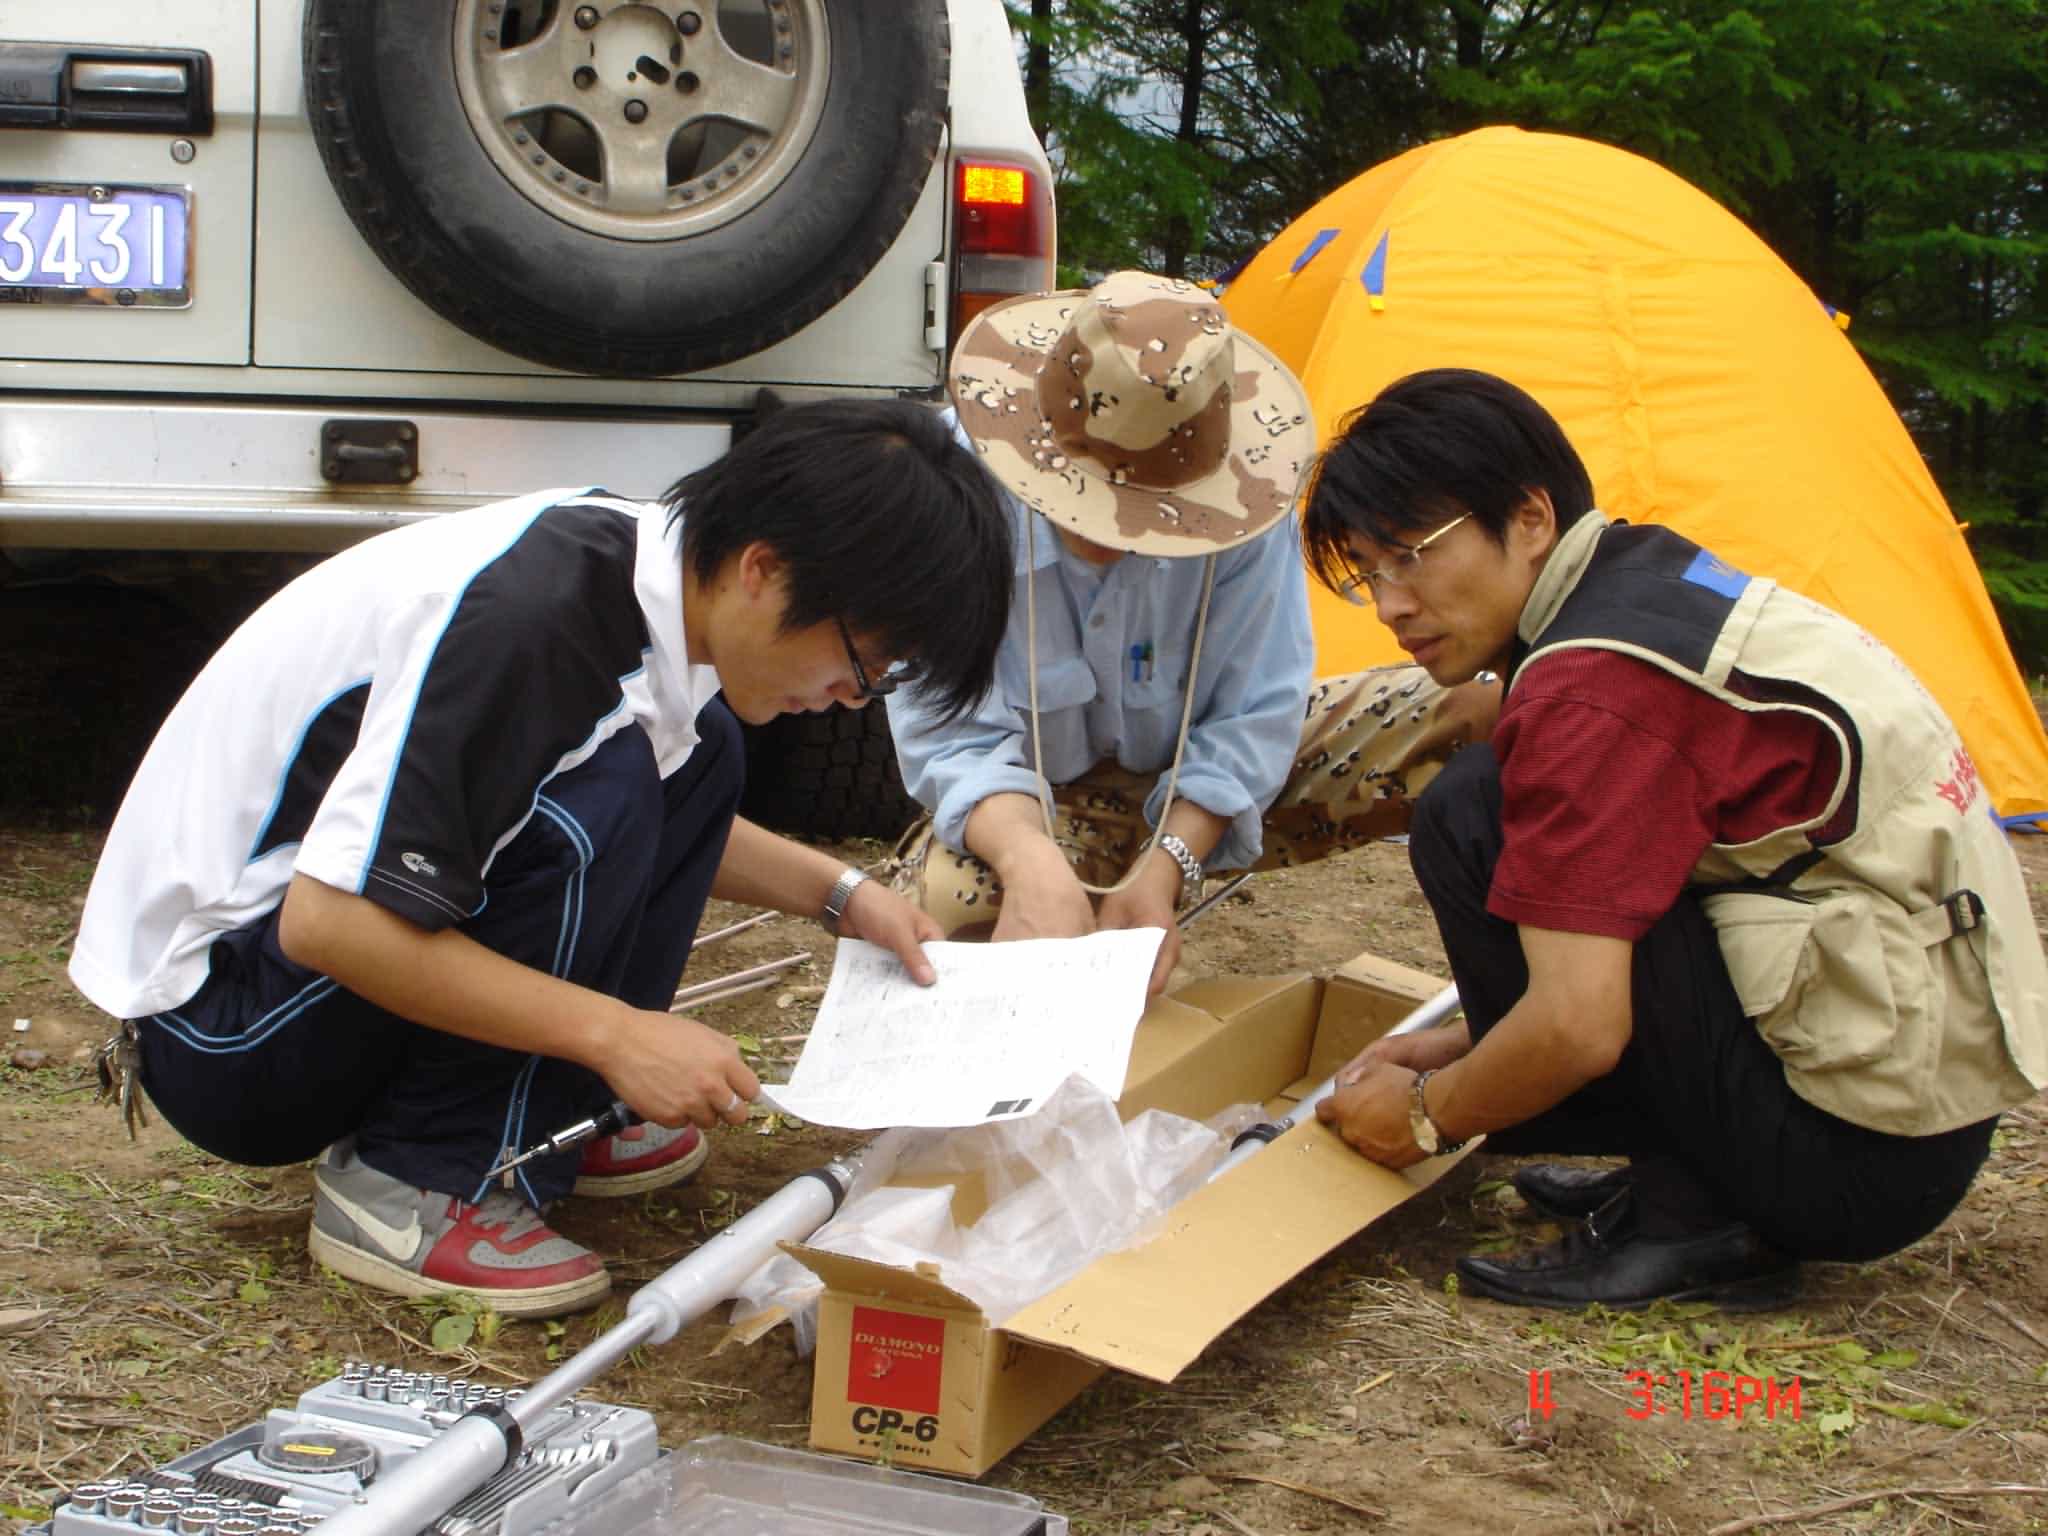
x,y
1001,1029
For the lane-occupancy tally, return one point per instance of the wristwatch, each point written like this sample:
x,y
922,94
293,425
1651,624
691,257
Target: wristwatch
x,y
837,898
1190,870
1420,1126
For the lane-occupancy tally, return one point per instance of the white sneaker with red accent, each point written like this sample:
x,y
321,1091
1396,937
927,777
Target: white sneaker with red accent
x,y
640,1158
385,1233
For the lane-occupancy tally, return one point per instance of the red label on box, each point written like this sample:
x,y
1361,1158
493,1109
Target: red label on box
x,y
895,1359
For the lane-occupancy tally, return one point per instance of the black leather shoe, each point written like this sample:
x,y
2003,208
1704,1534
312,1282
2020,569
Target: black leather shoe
x,y
1608,1261
1571,1194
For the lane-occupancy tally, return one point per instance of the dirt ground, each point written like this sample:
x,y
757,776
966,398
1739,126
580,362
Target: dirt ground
x,y
152,1298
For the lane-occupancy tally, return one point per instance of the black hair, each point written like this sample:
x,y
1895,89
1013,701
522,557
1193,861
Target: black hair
x,y
882,521
1432,447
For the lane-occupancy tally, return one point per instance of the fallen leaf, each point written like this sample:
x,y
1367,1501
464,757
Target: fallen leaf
x,y
21,1319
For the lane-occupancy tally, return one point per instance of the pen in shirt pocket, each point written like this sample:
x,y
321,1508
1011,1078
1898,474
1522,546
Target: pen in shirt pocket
x,y
1141,663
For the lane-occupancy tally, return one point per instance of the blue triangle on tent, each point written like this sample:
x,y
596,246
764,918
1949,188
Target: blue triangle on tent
x,y
1308,254
1375,274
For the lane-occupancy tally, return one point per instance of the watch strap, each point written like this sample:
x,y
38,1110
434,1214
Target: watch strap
x,y
849,881
1190,868
1427,1136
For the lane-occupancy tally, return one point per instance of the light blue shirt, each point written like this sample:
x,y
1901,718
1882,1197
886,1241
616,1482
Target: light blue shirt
x,y
1113,650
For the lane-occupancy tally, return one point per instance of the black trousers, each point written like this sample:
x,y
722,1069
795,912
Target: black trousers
x,y
605,886
1698,1100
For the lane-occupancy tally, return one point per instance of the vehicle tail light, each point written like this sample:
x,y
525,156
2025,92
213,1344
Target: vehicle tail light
x,y
1002,237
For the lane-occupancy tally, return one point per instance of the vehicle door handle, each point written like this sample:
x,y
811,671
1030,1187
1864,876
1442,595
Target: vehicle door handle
x,y
95,86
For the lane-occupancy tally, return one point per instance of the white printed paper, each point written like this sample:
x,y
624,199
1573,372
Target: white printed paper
x,y
992,1039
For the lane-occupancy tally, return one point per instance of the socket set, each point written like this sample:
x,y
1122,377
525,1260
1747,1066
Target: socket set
x,y
288,1473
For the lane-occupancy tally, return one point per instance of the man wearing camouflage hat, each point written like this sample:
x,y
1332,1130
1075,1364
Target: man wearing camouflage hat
x,y
1153,716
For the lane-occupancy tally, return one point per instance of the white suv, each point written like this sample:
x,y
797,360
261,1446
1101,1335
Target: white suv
x,y
276,274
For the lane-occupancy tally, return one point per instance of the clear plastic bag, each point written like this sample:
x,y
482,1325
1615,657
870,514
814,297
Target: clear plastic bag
x,y
1064,1187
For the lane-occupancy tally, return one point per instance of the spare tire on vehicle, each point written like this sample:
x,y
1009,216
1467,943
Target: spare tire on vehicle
x,y
832,774
616,187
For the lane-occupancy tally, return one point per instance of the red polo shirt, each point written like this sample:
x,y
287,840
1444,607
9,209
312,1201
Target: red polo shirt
x,y
1615,777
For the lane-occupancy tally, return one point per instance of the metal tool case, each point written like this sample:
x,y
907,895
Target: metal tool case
x,y
588,1469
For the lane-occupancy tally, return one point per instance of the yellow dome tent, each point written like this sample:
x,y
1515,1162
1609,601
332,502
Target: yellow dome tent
x,y
1703,383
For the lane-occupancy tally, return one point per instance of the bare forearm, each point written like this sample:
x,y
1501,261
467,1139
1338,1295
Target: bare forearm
x,y
445,980
762,869
1569,1027
1502,1081
1007,833
667,1069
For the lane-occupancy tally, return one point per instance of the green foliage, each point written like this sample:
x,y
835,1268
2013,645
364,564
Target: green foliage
x,y
457,1319
1702,96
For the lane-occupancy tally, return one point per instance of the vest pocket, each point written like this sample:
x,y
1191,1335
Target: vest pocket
x,y
1829,977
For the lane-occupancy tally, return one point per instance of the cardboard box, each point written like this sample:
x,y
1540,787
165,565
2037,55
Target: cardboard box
x,y
908,1369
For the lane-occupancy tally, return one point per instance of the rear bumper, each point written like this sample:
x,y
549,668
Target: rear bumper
x,y
135,474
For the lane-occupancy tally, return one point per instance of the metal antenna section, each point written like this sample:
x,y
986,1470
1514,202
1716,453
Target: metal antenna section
x,y
1437,1010
417,1492
1203,907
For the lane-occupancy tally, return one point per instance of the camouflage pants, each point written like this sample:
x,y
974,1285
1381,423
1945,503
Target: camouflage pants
x,y
1371,742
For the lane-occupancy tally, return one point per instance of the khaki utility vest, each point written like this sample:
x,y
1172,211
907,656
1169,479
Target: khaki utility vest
x,y
1896,973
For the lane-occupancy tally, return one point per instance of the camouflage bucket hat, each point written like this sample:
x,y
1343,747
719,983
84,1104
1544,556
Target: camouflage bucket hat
x,y
1135,414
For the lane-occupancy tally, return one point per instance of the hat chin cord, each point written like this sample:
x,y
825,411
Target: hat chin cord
x,y
1187,710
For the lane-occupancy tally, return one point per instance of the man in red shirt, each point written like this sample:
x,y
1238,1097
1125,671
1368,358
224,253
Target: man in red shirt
x,y
1638,881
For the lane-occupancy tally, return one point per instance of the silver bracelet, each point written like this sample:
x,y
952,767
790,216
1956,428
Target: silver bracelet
x,y
1190,869
837,898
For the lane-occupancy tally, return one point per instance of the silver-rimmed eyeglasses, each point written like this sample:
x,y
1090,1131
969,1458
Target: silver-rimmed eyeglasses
x,y
1362,587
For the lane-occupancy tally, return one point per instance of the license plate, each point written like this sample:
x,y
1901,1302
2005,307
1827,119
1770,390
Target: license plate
x,y
125,246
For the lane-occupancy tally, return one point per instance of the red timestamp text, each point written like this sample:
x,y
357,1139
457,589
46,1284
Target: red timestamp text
x,y
1688,1394
1710,1395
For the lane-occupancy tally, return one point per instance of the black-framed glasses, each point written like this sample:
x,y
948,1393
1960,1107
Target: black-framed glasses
x,y
870,687
1362,587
